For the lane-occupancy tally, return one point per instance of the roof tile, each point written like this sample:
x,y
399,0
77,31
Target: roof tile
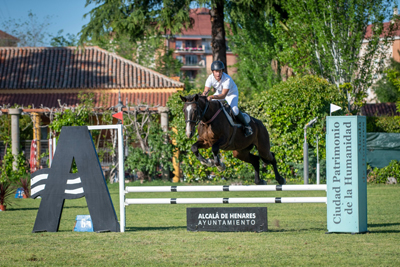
x,y
71,67
379,109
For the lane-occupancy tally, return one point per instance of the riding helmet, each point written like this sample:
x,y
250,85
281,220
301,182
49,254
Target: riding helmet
x,y
217,65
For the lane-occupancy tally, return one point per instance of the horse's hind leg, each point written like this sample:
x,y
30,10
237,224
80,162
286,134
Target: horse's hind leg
x,y
254,160
269,158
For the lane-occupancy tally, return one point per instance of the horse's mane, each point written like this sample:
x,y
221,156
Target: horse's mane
x,y
202,99
191,97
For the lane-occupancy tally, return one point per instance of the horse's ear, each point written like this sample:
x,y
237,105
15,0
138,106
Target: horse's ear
x,y
183,98
196,97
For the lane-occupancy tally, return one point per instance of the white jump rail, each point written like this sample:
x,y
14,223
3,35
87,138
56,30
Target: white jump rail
x,y
220,188
245,200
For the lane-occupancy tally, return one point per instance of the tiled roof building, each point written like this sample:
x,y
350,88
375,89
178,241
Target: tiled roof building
x,y
379,109
41,76
7,39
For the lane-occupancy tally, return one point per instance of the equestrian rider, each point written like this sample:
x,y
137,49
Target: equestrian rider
x,y
225,88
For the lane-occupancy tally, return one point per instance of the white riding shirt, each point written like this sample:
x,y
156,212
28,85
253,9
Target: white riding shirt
x,y
226,82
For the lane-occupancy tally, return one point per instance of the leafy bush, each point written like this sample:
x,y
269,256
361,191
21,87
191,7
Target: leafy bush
x,y
312,169
9,177
287,107
389,124
385,124
159,154
381,175
81,115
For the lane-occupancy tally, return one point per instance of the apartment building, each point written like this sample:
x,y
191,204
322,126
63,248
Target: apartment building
x,y
193,46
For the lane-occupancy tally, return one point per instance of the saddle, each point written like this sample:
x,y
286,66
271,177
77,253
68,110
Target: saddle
x,y
229,114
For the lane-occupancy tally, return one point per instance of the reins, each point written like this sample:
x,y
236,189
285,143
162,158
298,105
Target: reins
x,y
213,117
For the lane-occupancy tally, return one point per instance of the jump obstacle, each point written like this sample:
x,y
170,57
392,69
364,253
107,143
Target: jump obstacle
x,y
153,189
334,191
224,188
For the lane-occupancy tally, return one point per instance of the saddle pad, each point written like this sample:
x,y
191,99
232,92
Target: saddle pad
x,y
233,123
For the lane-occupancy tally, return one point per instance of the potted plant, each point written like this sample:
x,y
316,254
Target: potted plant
x,y
6,192
24,182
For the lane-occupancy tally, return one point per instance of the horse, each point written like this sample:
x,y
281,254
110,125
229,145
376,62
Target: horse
x,y
214,130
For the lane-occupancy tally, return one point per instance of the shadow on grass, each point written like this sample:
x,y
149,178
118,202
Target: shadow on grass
x,y
133,229
382,224
297,230
68,207
383,231
15,209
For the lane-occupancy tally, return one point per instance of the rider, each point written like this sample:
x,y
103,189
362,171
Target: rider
x,y
225,88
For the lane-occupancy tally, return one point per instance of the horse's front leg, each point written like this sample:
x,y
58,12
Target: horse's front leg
x,y
215,150
195,150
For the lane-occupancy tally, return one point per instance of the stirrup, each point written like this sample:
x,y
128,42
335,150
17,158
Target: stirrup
x,y
247,131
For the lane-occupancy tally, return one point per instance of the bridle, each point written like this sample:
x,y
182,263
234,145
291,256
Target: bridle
x,y
200,114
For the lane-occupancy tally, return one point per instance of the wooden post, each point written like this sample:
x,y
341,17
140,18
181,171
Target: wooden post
x,y
37,136
175,161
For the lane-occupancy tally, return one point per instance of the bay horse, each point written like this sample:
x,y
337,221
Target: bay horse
x,y
214,130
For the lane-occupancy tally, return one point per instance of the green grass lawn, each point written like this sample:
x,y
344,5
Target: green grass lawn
x,y
156,235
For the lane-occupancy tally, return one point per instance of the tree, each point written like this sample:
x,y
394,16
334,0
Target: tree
x,y
31,32
140,19
251,39
167,65
63,41
393,75
326,39
386,89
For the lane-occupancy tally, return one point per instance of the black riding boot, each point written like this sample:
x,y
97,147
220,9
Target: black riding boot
x,y
247,128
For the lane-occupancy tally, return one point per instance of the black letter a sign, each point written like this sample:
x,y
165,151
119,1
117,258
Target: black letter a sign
x,y
57,183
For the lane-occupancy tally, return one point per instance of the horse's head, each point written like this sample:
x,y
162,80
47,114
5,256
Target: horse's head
x,y
193,111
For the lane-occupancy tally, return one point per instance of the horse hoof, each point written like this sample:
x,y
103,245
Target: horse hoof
x,y
261,182
221,167
207,162
282,181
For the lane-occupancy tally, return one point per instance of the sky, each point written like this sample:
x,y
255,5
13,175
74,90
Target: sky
x,y
65,15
